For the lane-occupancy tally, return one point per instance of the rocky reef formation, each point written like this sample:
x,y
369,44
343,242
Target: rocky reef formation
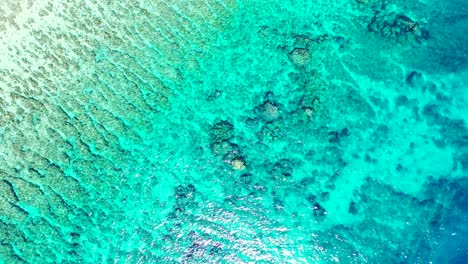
x,y
216,131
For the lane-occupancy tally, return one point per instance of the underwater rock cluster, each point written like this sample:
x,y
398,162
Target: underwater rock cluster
x,y
396,26
221,135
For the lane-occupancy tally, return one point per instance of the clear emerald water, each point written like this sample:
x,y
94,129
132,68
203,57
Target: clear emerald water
x,y
236,132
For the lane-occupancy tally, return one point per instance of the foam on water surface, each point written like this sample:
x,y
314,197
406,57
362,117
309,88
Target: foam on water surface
x,y
233,131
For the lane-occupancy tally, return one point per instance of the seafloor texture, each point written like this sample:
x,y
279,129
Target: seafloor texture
x,y
211,131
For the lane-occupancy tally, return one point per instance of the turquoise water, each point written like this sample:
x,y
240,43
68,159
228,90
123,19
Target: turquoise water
x,y
236,132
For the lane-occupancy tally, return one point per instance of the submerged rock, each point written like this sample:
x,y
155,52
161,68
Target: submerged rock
x,y
396,26
238,163
224,147
415,79
283,168
319,212
308,103
214,95
308,111
182,192
246,178
353,208
190,189
300,57
270,96
222,131
268,111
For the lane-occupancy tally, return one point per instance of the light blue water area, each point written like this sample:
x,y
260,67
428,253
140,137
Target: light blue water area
x,y
308,132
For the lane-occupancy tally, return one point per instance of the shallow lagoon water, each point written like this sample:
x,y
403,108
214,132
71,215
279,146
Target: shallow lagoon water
x,y
234,132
